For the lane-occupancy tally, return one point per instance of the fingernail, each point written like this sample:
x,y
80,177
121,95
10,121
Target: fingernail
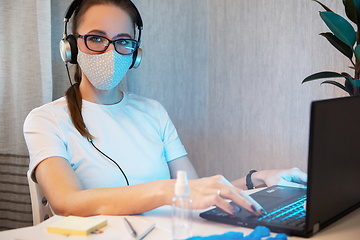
x,y
253,208
235,209
231,211
263,212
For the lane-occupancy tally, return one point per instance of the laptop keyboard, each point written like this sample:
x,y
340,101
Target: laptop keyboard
x,y
291,215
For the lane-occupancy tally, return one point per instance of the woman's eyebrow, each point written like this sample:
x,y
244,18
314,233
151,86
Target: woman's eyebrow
x,y
96,31
123,35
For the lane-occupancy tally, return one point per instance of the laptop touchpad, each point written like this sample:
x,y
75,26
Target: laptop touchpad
x,y
266,200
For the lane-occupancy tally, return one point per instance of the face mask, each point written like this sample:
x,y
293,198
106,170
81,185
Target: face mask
x,y
105,70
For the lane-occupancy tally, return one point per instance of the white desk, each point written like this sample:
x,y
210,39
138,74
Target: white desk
x,y
346,228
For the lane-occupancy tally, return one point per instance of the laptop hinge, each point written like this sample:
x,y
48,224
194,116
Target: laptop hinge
x,y
316,227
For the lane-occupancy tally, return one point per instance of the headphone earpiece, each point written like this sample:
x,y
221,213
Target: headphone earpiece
x,y
136,58
74,49
68,49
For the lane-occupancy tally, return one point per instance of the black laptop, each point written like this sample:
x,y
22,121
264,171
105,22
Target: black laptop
x,y
333,177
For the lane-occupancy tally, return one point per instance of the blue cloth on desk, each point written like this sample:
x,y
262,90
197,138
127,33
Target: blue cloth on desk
x,y
258,234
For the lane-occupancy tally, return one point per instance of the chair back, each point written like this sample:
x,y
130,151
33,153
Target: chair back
x,y
41,209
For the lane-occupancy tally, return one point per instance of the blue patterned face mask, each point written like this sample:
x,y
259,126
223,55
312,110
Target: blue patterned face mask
x,y
105,70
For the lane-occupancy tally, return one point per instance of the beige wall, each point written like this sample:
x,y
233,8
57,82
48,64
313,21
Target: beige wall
x,y
229,73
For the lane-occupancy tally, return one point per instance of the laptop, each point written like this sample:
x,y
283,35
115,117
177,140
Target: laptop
x,y
333,177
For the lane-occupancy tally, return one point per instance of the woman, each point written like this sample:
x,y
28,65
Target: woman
x,y
84,161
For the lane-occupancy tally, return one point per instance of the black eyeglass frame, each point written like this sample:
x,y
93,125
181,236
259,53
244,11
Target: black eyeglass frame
x,y
84,37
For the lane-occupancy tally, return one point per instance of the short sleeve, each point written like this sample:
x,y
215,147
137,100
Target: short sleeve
x,y
42,137
172,144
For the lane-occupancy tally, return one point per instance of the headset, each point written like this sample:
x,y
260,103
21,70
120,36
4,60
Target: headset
x,y
68,45
69,51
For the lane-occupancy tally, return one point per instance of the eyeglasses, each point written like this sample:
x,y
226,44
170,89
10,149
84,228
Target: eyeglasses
x,y
98,43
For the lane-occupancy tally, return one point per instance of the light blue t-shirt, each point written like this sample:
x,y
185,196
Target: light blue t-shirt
x,y
137,133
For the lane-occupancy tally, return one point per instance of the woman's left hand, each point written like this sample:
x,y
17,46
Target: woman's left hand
x,y
293,177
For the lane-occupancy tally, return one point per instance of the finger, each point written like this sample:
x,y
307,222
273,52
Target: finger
x,y
300,175
224,205
259,208
290,184
215,199
293,175
228,191
246,202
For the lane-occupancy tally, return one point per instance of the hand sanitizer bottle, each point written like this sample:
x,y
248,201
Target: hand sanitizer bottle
x,y
181,208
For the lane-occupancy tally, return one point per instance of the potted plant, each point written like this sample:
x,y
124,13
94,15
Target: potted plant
x,y
345,39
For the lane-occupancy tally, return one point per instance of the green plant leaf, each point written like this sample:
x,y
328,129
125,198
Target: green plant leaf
x,y
324,6
350,10
341,28
336,84
339,45
320,75
349,87
345,74
357,6
349,79
355,82
357,53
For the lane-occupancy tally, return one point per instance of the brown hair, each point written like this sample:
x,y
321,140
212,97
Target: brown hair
x,y
73,95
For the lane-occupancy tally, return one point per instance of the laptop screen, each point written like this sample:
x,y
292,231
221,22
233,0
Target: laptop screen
x,y
333,176
334,160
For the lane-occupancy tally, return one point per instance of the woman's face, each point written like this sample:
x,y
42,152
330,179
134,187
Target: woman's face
x,y
105,20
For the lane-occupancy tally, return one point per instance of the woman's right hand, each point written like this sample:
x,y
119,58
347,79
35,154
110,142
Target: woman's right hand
x,y
216,190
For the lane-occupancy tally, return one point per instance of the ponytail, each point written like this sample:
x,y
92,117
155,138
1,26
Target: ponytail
x,y
73,95
74,103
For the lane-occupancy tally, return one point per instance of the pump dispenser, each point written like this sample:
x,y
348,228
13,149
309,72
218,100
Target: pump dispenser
x,y
181,208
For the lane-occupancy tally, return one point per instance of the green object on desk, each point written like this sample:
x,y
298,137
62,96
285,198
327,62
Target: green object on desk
x,y
258,234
